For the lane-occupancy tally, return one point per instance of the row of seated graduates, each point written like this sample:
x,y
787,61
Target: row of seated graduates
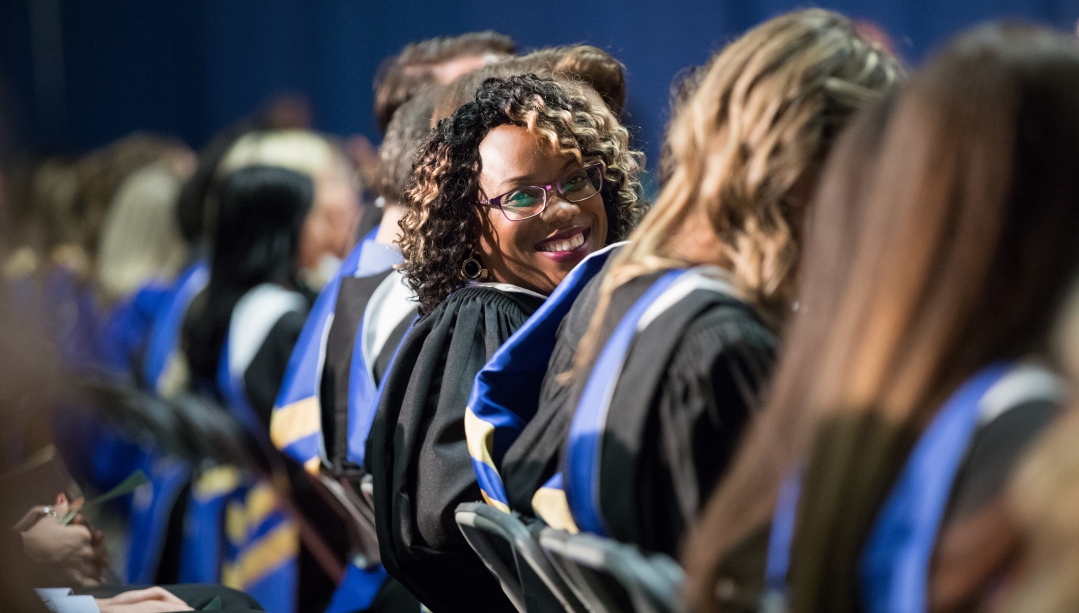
x,y
359,320
416,442
917,376
632,448
735,370
626,442
241,176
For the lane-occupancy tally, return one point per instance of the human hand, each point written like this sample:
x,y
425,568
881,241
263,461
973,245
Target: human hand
x,y
150,600
101,554
68,551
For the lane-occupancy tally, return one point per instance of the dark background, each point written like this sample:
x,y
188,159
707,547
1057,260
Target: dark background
x,y
76,74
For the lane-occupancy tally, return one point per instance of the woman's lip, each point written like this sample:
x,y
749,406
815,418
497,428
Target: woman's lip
x,y
564,234
573,255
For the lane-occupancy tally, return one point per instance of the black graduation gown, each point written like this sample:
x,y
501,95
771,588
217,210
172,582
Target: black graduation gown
x,y
353,296
534,457
418,456
689,382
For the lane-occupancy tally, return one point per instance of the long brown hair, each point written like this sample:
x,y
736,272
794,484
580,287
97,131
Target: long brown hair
x,y
964,250
766,112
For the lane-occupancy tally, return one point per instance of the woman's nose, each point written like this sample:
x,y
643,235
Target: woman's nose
x,y
559,209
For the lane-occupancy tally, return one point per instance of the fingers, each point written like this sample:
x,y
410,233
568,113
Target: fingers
x,y
150,593
31,517
61,507
82,536
109,605
101,553
156,606
169,597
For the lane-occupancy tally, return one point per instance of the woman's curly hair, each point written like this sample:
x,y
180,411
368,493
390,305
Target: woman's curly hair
x,y
442,221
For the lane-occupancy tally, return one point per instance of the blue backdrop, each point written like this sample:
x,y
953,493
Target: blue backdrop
x,y
76,74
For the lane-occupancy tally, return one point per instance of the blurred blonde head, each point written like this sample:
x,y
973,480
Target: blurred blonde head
x,y
300,150
140,236
103,171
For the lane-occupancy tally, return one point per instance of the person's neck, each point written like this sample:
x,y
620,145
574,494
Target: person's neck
x,y
389,229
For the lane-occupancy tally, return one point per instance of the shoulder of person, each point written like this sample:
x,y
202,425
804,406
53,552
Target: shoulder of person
x,y
502,296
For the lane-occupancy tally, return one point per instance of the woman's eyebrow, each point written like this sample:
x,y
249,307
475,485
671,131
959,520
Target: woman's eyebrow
x,y
531,180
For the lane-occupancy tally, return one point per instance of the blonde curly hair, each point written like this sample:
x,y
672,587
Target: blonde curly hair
x,y
442,219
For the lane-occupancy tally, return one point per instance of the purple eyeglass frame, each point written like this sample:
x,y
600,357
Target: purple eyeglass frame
x,y
496,202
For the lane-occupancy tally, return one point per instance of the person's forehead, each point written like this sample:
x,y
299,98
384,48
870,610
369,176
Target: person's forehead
x,y
509,152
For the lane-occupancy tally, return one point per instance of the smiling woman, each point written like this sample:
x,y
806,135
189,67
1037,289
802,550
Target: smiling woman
x,y
517,133
508,194
543,230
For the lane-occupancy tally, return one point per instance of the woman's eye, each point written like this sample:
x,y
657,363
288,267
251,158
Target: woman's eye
x,y
519,200
575,182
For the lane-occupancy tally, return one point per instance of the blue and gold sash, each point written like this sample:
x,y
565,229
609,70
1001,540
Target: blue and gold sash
x,y
363,394
263,545
263,540
296,423
579,508
151,507
505,394
203,548
163,349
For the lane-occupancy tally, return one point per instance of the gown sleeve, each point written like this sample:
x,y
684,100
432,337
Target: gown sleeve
x,y
417,452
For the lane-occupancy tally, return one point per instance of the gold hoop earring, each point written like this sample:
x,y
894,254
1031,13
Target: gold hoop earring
x,y
472,269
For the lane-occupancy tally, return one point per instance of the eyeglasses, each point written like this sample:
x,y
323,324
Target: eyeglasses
x,y
525,202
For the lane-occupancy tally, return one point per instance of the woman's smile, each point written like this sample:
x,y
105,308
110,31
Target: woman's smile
x,y
567,243
539,251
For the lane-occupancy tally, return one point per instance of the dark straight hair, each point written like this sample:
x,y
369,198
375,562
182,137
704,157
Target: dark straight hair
x,y
964,251
255,240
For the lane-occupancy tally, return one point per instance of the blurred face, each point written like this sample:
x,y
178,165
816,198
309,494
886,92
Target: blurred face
x,y
328,230
534,253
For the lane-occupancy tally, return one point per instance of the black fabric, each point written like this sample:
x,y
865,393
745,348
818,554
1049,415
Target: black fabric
x,y
168,566
316,588
533,458
671,430
263,376
994,452
689,382
390,348
352,297
262,380
418,456
18,573
393,597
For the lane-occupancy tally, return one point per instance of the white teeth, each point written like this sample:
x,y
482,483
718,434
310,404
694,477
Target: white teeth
x,y
567,244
